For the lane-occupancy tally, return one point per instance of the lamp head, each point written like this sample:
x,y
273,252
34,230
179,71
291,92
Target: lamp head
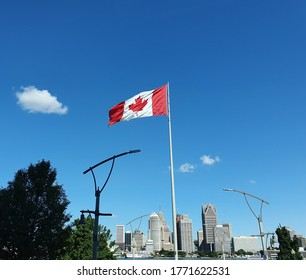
x,y
134,151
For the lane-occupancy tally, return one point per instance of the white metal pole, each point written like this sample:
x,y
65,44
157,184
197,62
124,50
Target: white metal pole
x,y
264,249
172,179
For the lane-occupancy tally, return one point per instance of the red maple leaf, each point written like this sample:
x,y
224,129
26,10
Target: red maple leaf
x,y
139,104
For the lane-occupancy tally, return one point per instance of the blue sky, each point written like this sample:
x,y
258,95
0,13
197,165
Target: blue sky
x,y
236,71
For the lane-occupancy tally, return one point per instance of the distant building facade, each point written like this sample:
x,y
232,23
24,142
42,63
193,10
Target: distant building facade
x,y
120,236
138,239
128,241
223,238
149,247
246,243
209,222
200,239
155,231
165,233
184,234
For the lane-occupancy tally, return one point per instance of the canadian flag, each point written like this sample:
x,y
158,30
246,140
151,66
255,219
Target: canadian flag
x,y
145,104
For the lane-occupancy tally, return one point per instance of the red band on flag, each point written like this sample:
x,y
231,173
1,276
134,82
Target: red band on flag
x,y
159,101
116,113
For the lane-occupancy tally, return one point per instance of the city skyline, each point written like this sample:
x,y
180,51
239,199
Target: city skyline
x,y
157,228
142,226
214,237
236,72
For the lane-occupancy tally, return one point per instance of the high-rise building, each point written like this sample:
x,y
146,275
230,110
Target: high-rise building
x,y
138,239
185,236
128,241
120,236
209,222
179,217
200,239
159,232
155,231
223,238
165,233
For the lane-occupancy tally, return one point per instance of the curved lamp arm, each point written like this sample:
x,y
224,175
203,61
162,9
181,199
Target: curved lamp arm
x,y
245,197
110,172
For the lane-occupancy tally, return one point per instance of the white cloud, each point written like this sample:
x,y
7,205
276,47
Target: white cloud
x,y
34,100
208,160
187,168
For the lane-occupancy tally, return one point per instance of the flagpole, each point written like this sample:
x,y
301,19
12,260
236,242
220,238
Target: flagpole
x,y
172,179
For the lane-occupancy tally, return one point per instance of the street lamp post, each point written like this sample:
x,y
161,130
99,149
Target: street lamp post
x,y
258,217
97,194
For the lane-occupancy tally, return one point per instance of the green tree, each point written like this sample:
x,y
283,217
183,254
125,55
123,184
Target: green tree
x,y
181,254
80,245
32,215
166,253
241,252
288,247
212,254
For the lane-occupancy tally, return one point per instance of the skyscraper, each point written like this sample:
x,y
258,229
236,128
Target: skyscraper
x,y
200,239
155,231
185,236
223,238
128,241
209,222
165,233
138,239
120,236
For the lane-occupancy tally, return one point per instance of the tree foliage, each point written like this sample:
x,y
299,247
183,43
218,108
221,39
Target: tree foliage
x,y
32,215
288,246
166,253
81,241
